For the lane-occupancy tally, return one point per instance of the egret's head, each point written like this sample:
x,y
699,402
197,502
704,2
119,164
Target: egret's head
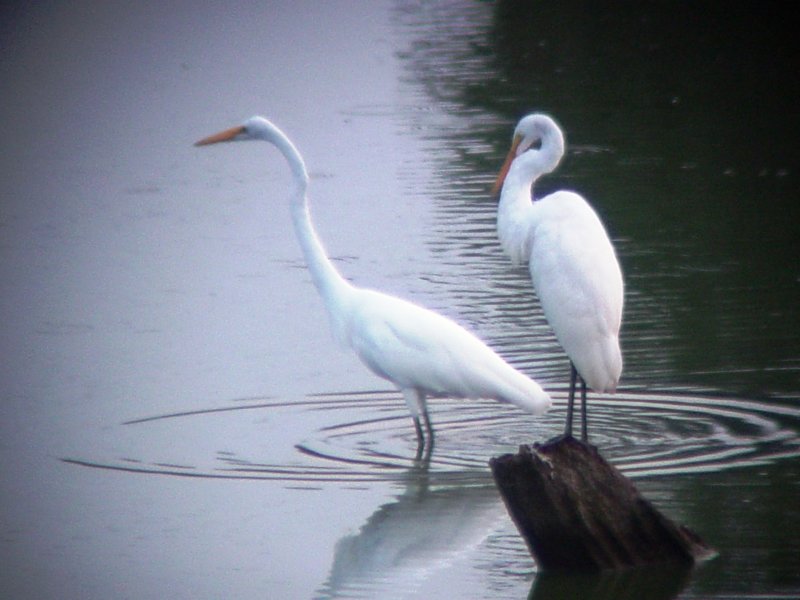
x,y
254,128
537,133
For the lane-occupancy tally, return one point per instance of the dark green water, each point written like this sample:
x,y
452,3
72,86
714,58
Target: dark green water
x,y
682,124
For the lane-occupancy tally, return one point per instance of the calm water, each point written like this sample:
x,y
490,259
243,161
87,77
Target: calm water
x,y
174,415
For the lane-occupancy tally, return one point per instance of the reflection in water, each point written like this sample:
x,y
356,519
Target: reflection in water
x,y
662,582
422,530
448,505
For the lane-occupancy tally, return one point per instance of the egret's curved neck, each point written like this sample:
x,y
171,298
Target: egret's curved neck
x,y
329,283
515,214
532,164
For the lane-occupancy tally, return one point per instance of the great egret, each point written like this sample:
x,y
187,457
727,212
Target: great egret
x,y
571,260
418,350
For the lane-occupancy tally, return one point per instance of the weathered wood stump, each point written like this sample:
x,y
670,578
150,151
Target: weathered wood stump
x,y
577,512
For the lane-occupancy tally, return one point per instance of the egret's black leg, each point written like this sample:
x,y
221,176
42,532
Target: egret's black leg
x,y
415,403
420,435
428,426
425,456
415,400
584,415
573,377
423,405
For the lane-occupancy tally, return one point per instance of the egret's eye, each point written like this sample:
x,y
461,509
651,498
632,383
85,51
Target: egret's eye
x,y
536,144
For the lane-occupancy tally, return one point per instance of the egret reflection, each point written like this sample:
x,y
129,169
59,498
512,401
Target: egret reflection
x,y
405,541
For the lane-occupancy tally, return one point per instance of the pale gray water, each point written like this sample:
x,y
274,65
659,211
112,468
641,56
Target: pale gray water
x,y
159,325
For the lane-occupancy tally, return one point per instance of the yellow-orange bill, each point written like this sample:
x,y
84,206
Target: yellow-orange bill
x,y
501,176
222,136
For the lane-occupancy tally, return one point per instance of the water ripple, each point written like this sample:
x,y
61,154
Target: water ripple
x,y
368,437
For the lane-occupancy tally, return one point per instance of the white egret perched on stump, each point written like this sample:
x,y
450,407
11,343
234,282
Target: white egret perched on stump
x,y
571,260
418,350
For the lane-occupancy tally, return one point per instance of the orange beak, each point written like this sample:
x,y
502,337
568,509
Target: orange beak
x,y
501,176
222,136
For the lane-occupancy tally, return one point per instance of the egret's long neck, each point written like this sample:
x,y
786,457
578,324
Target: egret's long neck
x,y
515,209
329,283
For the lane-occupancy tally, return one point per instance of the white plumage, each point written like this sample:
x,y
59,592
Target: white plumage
x,y
418,350
572,262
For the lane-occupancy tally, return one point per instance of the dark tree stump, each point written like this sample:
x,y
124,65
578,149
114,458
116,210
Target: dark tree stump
x,y
577,512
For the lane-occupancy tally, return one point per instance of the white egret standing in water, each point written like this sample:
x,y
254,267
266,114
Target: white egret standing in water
x,y
418,350
571,260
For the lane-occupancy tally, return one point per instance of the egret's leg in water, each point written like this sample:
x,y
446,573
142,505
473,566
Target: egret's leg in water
x,y
584,415
573,380
418,407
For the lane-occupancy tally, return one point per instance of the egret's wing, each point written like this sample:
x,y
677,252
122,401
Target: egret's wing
x,y
417,348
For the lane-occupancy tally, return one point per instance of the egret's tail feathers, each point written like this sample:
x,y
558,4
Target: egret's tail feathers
x,y
499,380
536,401
599,364
603,381
524,392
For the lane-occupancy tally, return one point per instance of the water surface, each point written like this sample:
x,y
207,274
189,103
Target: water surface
x,y
175,415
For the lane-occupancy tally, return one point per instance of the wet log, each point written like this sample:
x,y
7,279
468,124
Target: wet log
x,y
578,513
